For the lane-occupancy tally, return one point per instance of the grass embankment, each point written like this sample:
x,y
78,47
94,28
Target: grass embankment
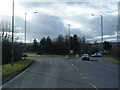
x,y
8,70
114,60
36,55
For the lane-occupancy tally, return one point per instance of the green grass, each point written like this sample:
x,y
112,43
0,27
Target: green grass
x,y
36,55
8,70
114,60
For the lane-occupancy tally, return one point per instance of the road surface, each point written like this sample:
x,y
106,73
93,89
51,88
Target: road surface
x,y
59,72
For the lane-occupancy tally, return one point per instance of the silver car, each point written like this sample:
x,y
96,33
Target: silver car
x,y
85,57
97,55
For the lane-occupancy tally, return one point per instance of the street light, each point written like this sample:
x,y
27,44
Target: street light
x,y
101,30
116,33
69,41
12,59
25,36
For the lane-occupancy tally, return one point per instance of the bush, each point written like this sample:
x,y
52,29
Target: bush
x,y
18,51
7,51
116,51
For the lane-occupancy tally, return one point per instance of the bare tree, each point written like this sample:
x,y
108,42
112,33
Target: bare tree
x,y
5,29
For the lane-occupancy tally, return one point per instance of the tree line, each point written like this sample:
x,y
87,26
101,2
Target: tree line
x,y
60,45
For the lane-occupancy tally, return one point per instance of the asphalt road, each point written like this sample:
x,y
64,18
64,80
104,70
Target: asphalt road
x,y
59,72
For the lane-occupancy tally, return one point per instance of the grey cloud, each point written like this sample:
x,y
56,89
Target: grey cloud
x,y
19,22
45,25
33,4
80,33
110,24
95,24
5,17
50,25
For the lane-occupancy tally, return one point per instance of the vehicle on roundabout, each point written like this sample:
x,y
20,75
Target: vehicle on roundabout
x,y
97,54
85,57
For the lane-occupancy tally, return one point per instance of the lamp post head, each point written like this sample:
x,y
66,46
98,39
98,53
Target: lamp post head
x,y
95,15
68,24
92,14
35,12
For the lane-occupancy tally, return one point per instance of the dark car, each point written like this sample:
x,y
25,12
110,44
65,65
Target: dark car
x,y
24,55
85,57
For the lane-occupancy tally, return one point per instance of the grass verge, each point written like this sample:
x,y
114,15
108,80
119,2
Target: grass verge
x,y
36,55
114,60
8,70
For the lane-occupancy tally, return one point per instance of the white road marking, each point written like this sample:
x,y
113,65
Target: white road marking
x,y
84,77
81,74
93,86
50,62
72,64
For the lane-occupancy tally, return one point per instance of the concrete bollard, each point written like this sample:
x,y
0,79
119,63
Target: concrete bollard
x,y
77,56
66,56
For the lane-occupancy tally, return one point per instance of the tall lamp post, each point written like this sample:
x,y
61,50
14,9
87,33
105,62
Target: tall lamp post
x,y
25,36
116,33
69,41
101,19
102,31
12,32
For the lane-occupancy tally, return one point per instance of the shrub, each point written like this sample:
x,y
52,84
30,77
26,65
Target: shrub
x,y
7,51
116,51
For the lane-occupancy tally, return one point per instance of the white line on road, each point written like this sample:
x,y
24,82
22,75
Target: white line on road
x,y
72,64
50,62
94,86
81,74
84,77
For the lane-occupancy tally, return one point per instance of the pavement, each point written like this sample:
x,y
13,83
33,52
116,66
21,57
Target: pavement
x,y
59,72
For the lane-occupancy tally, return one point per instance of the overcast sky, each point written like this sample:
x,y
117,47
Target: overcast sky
x,y
52,18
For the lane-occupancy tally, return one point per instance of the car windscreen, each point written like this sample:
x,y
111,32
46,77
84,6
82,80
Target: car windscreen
x,y
85,55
